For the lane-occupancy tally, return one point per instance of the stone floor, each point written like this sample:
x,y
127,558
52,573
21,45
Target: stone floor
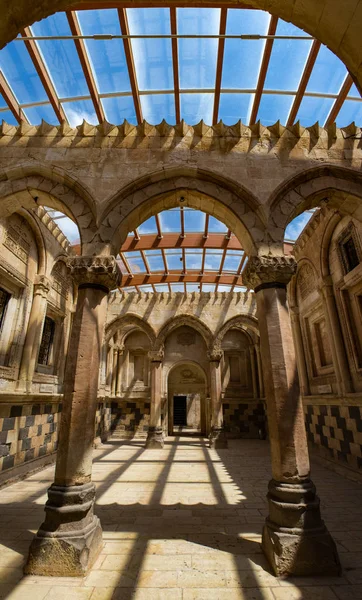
x,y
180,523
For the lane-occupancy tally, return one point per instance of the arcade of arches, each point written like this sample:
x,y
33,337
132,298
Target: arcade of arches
x,y
277,359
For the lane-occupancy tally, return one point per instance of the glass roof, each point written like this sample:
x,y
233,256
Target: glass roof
x,y
194,78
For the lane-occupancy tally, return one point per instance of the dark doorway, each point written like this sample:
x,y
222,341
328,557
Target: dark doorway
x,y
179,410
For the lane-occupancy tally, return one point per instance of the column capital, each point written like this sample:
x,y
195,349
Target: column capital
x,y
269,271
100,271
215,355
156,355
42,286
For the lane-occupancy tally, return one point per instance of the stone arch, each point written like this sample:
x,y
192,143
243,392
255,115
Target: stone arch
x,y
28,186
336,187
179,321
326,243
129,323
39,239
246,323
233,204
338,28
293,285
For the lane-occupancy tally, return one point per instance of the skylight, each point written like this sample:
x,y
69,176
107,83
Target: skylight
x,y
194,78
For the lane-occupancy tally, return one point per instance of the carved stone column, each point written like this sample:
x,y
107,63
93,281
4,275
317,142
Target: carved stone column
x,y
253,372
69,540
114,370
217,437
119,369
155,437
295,539
260,370
109,368
299,346
34,333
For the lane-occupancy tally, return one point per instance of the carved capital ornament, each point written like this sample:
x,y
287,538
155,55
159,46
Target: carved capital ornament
x,y
156,355
269,271
91,271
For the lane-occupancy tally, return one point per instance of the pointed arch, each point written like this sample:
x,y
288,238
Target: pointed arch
x,y
179,321
128,323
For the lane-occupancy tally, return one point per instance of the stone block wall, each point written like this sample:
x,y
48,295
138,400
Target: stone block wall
x,y
335,432
130,418
103,420
244,420
27,432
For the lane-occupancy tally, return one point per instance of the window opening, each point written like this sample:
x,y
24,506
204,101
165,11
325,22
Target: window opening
x,y
46,341
4,300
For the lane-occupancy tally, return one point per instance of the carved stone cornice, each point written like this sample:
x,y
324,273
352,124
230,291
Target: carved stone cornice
x,y
42,286
95,271
215,354
156,355
269,270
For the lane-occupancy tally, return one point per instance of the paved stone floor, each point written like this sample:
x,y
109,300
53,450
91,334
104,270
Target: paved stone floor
x,y
181,523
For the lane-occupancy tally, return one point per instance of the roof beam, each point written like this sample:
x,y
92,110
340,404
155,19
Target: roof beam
x,y
219,65
203,261
209,277
130,63
44,76
158,225
182,217
339,101
84,61
206,230
173,240
145,262
263,70
164,261
176,79
10,99
312,57
184,261
126,264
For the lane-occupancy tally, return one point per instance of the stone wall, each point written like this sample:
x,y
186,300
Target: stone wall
x,y
28,432
245,419
130,419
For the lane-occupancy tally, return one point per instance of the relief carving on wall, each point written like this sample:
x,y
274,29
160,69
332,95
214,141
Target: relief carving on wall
x,y
61,281
16,242
306,281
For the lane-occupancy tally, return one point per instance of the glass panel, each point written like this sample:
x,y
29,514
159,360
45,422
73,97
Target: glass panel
x,y
295,227
18,68
155,261
194,220
116,110
148,226
242,58
273,107
79,111
8,117
328,73
287,59
107,57
135,262
192,287
240,288
208,287
170,221
232,261
197,58
122,267
61,57
193,259
353,92
216,226
161,287
223,288
2,102
174,259
65,224
177,287
351,111
152,58
212,259
314,109
35,114
195,107
233,107
156,107
145,288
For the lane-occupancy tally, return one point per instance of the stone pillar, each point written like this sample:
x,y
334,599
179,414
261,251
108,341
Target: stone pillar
x,y
34,333
260,371
109,367
217,437
253,372
295,539
299,347
339,353
119,370
70,538
114,371
155,432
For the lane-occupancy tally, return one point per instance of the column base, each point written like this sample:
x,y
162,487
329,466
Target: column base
x,y
295,538
70,539
155,438
217,438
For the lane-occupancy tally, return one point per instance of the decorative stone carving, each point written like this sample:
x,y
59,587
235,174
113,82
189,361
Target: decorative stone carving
x,y
156,355
261,270
41,286
306,281
217,438
95,270
16,242
60,280
215,354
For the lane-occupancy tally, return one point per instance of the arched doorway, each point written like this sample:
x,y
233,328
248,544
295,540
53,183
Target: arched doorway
x,y
186,399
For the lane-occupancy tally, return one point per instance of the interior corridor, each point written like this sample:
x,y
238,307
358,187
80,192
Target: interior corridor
x,y
181,523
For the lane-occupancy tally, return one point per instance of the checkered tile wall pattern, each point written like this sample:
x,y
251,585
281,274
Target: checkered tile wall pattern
x,y
103,420
26,432
337,430
130,417
245,420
